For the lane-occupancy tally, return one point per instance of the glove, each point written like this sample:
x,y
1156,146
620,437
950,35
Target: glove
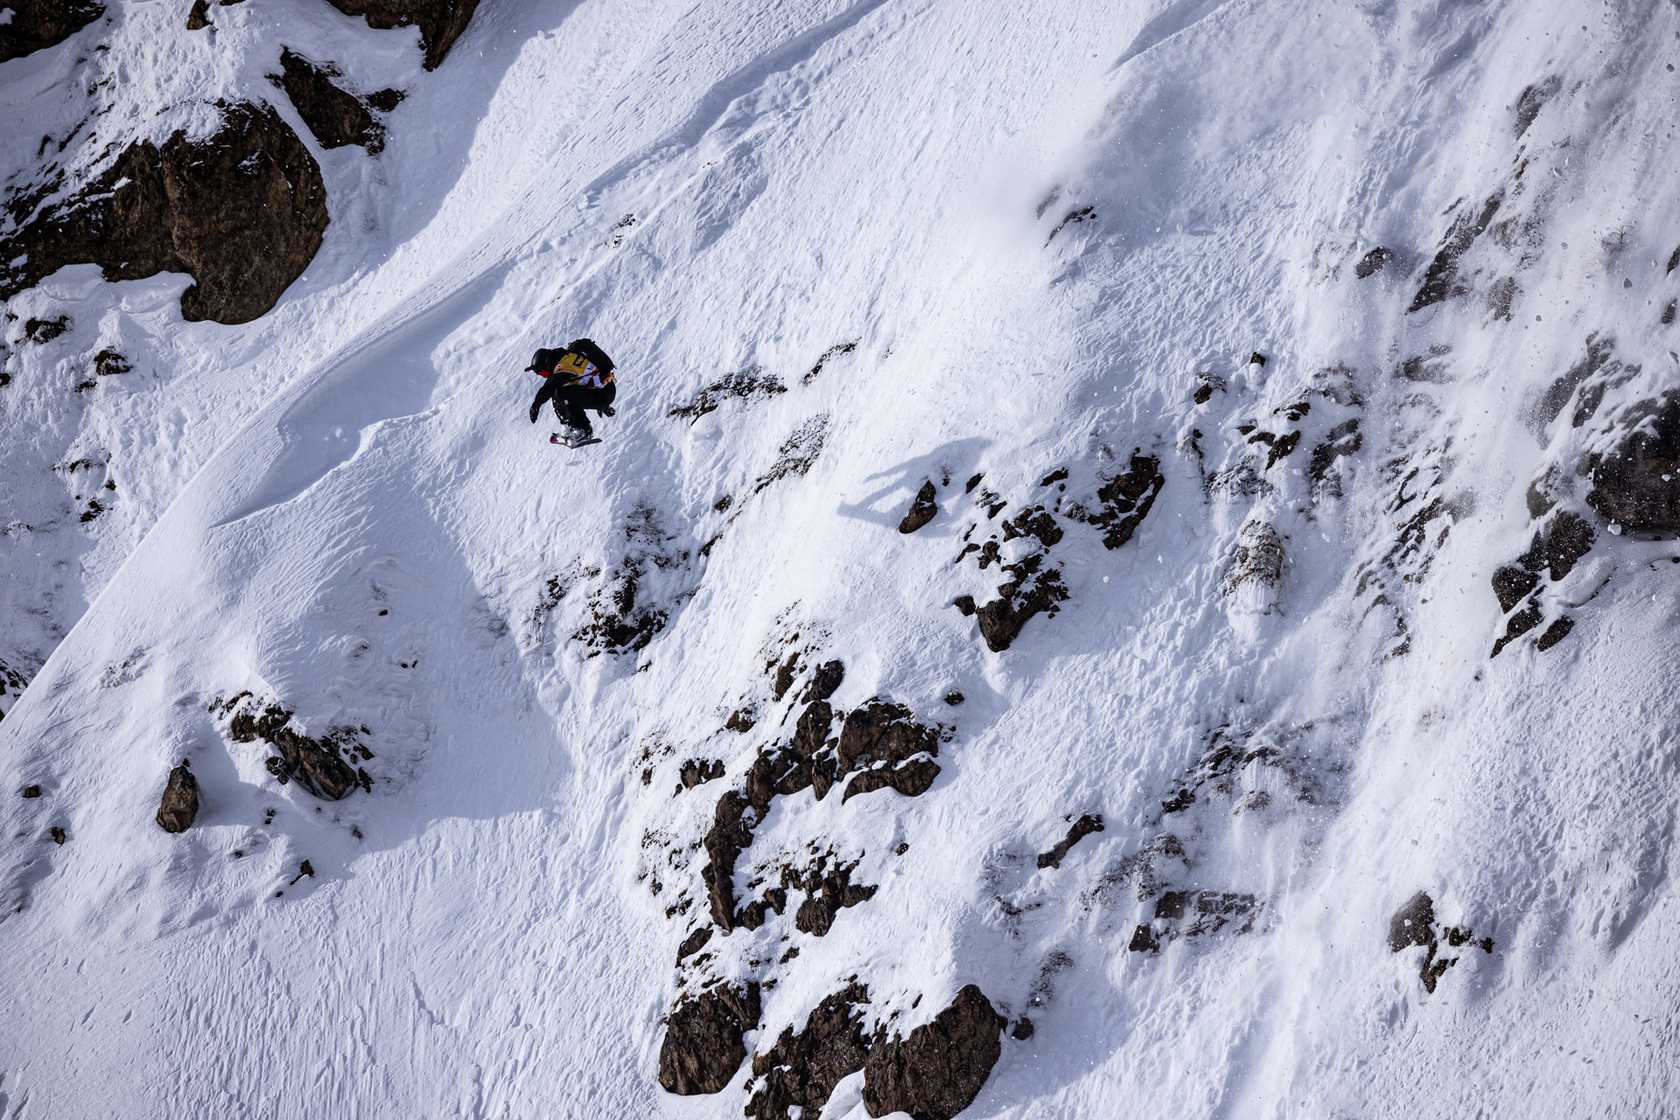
x,y
608,411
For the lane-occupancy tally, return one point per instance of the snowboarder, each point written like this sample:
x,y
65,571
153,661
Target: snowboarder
x,y
578,378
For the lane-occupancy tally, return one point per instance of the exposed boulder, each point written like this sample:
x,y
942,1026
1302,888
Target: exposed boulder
x,y
801,1070
441,22
696,771
242,211
703,1044
1414,924
1031,590
1125,500
180,801
922,510
336,116
317,764
41,331
693,943
198,16
825,681
828,890
1081,828
939,1068
1442,278
38,24
1373,262
110,362
1637,484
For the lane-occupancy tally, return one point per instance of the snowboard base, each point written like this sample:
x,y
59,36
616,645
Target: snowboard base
x,y
557,438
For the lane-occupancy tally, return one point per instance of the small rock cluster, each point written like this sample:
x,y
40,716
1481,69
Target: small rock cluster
x,y
1414,924
329,767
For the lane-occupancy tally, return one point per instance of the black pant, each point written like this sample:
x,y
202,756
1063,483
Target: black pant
x,y
570,401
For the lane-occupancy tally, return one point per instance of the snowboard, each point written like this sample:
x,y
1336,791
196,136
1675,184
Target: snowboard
x,y
563,441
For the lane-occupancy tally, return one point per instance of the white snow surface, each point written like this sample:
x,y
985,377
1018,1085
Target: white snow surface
x,y
342,507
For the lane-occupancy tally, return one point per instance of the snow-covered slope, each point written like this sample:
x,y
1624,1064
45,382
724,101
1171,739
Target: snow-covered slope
x,y
1249,372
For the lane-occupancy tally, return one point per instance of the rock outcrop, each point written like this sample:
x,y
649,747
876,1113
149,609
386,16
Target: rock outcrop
x,y
37,25
334,115
441,22
1636,485
703,1044
242,211
1081,828
922,509
179,807
801,1070
938,1069
880,744
1414,924
319,765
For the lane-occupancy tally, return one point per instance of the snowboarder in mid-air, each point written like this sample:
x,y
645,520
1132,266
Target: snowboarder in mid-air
x,y
578,380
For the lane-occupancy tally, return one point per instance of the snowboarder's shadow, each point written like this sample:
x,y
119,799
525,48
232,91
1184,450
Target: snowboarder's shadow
x,y
945,466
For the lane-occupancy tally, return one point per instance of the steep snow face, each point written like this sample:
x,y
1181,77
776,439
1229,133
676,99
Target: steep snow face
x,y
1129,568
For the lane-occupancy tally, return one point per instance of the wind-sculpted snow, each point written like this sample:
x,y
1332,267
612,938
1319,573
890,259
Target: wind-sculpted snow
x,y
1131,571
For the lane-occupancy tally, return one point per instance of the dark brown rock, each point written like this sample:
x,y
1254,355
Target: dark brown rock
x,y
911,779
703,1044
1373,262
1637,484
1442,278
922,510
1035,522
385,100
110,363
745,385
1033,589
1553,634
1081,828
829,890
317,764
938,1069
801,1070
335,116
45,330
441,22
882,735
242,211
1518,625
1511,585
1126,499
696,771
179,806
1413,923
693,943
31,792
38,24
57,835
824,682
1600,352
198,16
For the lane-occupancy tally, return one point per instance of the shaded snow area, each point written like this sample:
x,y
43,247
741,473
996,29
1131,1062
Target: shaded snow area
x,y
1129,575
